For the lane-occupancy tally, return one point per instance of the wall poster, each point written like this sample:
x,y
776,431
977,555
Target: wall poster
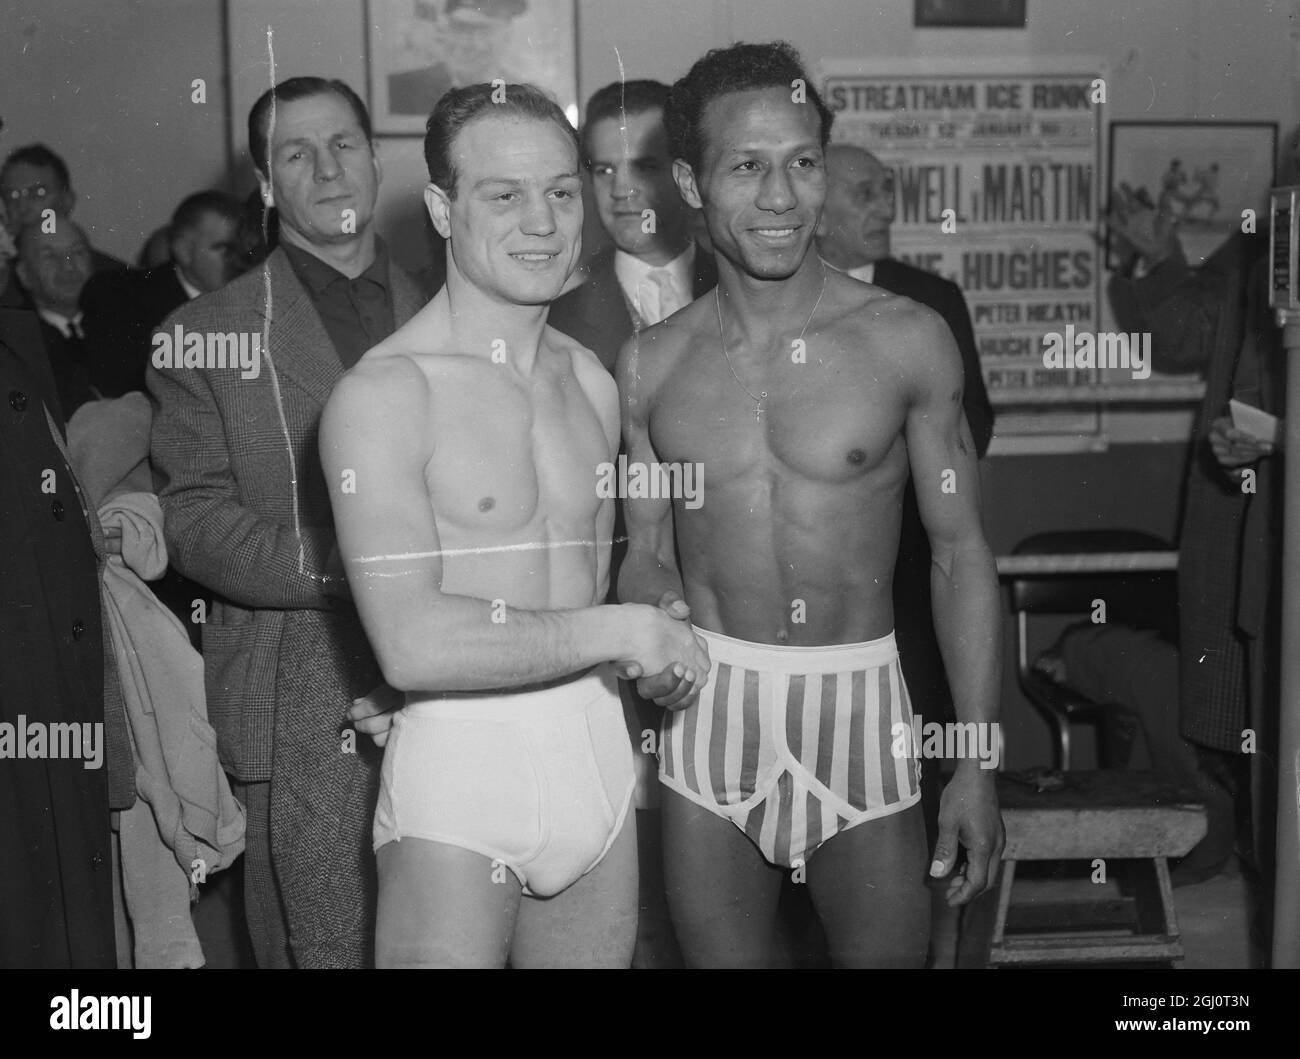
x,y
997,181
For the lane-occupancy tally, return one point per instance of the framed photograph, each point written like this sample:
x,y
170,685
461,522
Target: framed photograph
x,y
994,14
1203,172
417,49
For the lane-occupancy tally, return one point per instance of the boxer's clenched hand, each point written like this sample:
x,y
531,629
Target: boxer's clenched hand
x,y
668,648
969,819
373,714
670,689
672,604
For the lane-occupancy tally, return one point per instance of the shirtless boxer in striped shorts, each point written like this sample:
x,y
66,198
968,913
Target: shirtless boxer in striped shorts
x,y
808,397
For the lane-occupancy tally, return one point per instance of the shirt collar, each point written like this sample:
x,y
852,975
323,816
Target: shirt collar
x,y
632,270
317,276
190,290
866,273
60,322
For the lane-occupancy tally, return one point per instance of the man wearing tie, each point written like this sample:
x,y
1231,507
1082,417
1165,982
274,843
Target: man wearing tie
x,y
53,266
652,269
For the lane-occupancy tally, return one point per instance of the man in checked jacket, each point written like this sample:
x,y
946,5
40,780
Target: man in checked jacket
x,y
247,516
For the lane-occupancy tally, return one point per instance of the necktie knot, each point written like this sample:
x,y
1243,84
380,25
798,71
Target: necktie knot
x,y
658,296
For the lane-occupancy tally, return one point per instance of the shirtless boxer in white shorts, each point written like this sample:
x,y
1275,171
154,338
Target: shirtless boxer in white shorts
x,y
462,455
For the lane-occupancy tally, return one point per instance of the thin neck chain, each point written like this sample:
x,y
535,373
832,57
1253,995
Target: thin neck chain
x,y
761,396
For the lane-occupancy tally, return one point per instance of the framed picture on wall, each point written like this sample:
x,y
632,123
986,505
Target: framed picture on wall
x,y
1203,173
1004,14
417,49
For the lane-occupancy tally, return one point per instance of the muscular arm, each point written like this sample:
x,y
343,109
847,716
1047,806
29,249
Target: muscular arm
x,y
424,638
964,591
963,576
951,304
212,537
650,569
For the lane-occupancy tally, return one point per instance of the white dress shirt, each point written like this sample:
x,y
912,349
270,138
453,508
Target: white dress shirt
x,y
659,296
190,290
866,273
63,324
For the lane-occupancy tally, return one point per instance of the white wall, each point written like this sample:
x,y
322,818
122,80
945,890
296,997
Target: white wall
x,y
106,84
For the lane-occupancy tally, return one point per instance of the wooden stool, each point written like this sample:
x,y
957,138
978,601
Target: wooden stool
x,y
1109,814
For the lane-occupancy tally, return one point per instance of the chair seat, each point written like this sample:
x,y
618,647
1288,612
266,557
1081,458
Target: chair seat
x,y
1101,813
1138,819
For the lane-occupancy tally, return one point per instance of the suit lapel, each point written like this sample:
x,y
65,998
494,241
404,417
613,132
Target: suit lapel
x,y
299,347
886,275
604,301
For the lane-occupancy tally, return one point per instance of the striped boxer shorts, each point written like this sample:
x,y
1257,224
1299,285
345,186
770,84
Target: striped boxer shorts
x,y
794,744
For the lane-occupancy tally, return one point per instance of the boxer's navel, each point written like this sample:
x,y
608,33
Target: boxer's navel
x,y
487,504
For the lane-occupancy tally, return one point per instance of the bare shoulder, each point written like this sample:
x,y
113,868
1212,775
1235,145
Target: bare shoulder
x,y
592,376
588,369
382,388
651,356
909,336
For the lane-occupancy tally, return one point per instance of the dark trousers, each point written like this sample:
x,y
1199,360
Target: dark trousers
x,y
263,905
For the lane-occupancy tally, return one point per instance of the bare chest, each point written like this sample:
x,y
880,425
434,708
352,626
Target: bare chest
x,y
510,459
832,418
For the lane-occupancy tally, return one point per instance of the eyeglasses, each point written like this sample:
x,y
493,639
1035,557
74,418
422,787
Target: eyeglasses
x,y
35,191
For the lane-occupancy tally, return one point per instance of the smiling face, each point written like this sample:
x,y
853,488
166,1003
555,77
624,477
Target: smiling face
x,y
632,171
321,165
859,208
54,266
515,224
762,179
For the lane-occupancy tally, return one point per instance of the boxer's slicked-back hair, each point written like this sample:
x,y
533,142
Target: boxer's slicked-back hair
x,y
739,68
259,118
460,106
617,99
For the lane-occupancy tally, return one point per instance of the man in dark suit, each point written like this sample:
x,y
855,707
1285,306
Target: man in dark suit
x,y
1215,320
53,267
853,235
34,179
122,309
652,269
248,515
56,886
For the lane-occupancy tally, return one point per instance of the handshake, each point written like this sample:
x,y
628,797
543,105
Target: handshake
x,y
659,641
669,650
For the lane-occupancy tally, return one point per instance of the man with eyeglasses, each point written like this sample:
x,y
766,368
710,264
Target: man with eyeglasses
x,y
34,179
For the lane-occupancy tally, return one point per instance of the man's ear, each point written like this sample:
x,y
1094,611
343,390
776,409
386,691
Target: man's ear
x,y
686,187
437,202
69,198
379,169
264,186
